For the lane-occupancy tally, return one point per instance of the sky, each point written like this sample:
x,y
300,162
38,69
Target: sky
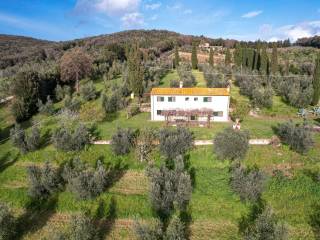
x,y
60,20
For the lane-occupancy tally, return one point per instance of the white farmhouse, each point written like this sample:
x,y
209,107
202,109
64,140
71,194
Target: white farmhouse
x,y
190,105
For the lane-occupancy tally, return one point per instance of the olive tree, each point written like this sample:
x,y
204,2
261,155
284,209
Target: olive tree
x,y
7,223
175,142
231,144
298,136
43,181
123,141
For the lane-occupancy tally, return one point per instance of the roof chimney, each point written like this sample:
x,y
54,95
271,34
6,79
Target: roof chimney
x,y
181,84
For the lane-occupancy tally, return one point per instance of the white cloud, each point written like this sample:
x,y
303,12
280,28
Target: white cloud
x,y
252,14
108,7
293,32
132,20
187,11
176,6
153,6
154,18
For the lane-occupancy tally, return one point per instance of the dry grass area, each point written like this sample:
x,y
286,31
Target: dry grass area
x,y
202,57
132,182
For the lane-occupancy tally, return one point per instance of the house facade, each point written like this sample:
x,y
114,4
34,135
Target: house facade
x,y
190,104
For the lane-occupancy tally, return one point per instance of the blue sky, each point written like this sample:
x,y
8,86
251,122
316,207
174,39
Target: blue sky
x,y
238,19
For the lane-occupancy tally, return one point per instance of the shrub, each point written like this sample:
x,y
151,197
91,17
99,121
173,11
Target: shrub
x,y
25,88
82,227
176,230
248,183
298,137
156,231
88,91
112,103
47,108
149,232
174,83
85,182
43,181
90,109
145,144
214,79
72,103
263,224
240,111
7,223
122,141
62,92
185,74
231,144
133,110
71,138
33,140
175,142
18,138
257,88
24,142
169,187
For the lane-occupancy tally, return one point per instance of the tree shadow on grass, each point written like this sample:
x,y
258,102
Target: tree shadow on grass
x,y
116,172
106,218
36,216
7,160
186,218
314,221
112,117
5,134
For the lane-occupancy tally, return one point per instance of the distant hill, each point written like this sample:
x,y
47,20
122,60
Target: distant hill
x,y
18,50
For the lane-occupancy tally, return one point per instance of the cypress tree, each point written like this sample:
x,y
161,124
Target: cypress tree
x,y
264,61
256,65
135,70
250,58
274,60
211,59
194,56
244,57
316,82
228,57
176,56
238,55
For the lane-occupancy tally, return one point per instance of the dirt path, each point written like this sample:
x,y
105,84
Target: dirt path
x,y
201,142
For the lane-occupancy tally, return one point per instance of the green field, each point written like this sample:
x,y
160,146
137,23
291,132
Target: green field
x,y
215,209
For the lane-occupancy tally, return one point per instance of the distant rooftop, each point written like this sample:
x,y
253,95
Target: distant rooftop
x,y
191,91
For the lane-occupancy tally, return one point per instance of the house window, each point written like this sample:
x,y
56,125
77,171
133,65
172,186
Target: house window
x,y
186,99
171,99
207,99
218,114
195,99
159,112
193,118
160,99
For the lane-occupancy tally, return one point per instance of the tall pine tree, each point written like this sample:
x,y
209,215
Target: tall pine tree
x,y
264,63
316,83
228,57
176,56
194,56
274,59
211,59
135,70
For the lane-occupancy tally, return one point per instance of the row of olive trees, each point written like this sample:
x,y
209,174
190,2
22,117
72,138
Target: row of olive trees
x,y
257,88
248,183
170,187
